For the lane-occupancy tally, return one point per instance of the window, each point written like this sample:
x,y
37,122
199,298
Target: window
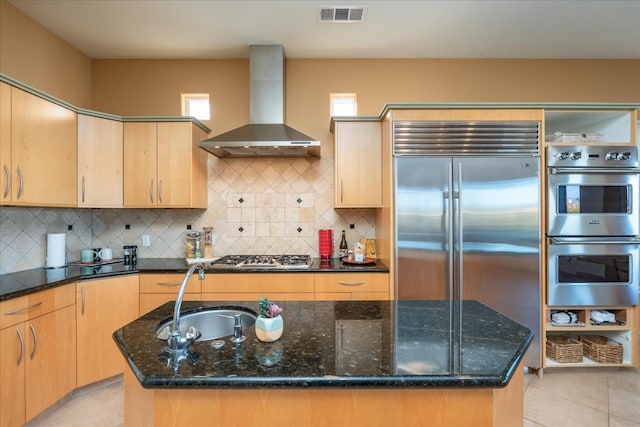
x,y
196,105
343,104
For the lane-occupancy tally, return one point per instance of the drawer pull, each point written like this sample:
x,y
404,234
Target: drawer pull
x,y
23,309
169,283
351,283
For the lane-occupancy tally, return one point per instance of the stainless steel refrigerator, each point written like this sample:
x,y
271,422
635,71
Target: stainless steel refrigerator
x,y
467,210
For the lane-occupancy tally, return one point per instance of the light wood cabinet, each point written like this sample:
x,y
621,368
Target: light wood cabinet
x,y
163,167
44,159
358,165
5,143
351,286
102,306
156,289
275,286
37,353
100,162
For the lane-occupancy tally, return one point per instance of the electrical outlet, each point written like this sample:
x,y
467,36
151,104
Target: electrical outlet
x,y
146,241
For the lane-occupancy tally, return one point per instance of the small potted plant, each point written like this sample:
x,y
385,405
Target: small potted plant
x,y
269,323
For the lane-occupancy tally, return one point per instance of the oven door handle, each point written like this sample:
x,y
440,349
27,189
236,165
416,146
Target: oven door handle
x,y
593,240
594,170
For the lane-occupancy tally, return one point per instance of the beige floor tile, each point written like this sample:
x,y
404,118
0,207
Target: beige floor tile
x,y
551,410
627,379
623,404
587,387
621,422
101,406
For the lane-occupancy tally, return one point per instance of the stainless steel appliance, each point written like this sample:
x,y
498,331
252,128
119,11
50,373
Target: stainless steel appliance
x,y
468,217
263,261
592,191
593,229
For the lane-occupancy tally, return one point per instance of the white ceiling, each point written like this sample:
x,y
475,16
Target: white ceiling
x,y
391,29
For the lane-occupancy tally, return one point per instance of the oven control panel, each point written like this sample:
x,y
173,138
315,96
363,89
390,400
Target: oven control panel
x,y
593,156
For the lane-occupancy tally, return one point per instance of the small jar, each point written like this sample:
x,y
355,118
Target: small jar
x,y
194,245
208,241
127,254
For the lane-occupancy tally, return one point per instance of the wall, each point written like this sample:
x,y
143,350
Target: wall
x,y
270,214
35,56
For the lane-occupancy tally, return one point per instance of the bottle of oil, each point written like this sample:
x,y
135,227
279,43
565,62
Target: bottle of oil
x,y
344,247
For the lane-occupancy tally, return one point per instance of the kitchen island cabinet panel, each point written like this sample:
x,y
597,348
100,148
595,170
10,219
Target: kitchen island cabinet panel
x,y
44,154
100,162
358,165
102,306
5,143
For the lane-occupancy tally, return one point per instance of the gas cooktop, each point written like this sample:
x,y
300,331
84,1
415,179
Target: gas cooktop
x,y
263,261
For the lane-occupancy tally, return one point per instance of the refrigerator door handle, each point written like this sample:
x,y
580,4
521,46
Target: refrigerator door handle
x,y
450,236
459,228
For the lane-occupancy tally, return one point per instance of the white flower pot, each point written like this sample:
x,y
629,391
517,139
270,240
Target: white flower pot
x,y
269,329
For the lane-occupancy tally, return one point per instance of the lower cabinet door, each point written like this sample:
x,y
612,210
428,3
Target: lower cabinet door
x,y
102,306
50,351
12,374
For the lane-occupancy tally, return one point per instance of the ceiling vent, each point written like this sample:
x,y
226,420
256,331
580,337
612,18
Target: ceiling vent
x,y
342,14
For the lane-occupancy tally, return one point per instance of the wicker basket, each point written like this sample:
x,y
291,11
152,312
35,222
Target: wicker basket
x,y
601,349
564,349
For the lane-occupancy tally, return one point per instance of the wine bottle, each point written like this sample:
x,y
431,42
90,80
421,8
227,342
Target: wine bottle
x,y
344,248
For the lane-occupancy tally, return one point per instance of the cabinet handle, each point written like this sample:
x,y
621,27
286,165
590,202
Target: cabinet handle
x,y
20,183
160,192
23,309
83,189
341,190
35,340
151,190
82,292
351,283
169,283
21,346
7,173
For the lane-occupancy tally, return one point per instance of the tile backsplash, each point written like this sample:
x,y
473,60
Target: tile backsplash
x,y
264,206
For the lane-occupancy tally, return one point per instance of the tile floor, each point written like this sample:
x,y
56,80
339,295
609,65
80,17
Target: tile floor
x,y
597,397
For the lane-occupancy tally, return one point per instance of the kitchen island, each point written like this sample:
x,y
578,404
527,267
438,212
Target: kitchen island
x,y
337,363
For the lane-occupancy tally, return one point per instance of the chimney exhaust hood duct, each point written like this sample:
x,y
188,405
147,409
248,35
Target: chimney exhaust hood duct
x,y
266,135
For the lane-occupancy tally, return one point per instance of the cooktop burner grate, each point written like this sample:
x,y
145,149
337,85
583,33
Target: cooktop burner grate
x,y
264,261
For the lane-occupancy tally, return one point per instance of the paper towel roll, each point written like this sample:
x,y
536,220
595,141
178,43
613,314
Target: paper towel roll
x,y
56,250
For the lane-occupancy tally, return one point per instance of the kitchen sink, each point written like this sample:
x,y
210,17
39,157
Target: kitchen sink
x,y
213,323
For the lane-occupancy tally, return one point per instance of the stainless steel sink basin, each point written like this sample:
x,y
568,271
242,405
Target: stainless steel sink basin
x,y
213,323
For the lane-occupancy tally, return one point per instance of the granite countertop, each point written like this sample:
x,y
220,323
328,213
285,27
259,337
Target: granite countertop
x,y
25,282
390,344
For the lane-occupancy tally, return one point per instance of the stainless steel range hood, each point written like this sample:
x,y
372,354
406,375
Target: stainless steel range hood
x,y
266,135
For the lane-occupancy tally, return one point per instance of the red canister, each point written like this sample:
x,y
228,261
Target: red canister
x,y
325,243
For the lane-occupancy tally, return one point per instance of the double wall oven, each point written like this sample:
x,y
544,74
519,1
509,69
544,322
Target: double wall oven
x,y
593,228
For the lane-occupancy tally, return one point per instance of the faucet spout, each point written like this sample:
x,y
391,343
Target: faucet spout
x,y
176,341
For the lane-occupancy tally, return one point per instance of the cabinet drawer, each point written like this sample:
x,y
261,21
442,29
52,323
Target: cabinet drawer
x,y
259,283
167,283
352,282
20,309
255,296
149,302
352,296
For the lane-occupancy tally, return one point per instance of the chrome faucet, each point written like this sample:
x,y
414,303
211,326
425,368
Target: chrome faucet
x,y
175,341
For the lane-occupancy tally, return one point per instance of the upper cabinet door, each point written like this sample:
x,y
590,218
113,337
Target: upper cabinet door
x,y
100,162
43,152
174,164
358,165
5,143
140,164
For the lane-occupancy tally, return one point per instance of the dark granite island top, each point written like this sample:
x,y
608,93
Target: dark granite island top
x,y
342,344
358,363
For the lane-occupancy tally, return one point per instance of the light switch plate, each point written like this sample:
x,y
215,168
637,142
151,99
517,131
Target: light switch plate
x,y
146,241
